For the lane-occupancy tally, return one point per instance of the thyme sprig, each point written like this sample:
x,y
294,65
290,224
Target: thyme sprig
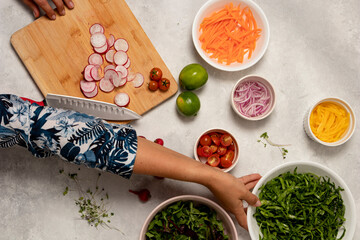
x,y
267,140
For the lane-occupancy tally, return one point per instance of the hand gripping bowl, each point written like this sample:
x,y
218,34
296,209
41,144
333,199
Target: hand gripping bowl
x,y
307,167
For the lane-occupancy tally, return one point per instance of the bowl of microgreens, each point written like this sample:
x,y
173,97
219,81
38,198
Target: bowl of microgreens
x,y
188,217
302,200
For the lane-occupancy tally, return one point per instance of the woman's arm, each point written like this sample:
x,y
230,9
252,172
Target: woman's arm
x,y
154,159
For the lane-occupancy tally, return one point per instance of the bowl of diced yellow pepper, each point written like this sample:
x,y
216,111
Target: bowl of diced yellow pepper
x,y
330,122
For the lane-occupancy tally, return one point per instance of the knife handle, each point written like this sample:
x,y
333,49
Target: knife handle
x,y
42,103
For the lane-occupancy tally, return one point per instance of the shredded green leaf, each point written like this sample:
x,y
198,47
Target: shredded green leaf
x,y
300,206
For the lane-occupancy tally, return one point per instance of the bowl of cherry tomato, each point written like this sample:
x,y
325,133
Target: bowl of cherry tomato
x,y
217,148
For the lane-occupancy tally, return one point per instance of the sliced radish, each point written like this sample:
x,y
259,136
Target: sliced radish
x,y
111,40
128,63
95,59
122,99
87,86
123,82
96,28
96,72
138,80
102,50
131,76
91,94
87,73
110,55
113,76
98,40
109,67
121,45
106,85
124,71
120,58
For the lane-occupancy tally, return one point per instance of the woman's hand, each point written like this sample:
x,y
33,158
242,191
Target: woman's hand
x,y
35,6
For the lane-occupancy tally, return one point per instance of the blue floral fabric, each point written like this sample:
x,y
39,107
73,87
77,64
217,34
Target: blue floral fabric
x,y
76,137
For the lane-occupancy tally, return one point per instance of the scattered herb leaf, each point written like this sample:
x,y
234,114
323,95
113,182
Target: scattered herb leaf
x,y
265,136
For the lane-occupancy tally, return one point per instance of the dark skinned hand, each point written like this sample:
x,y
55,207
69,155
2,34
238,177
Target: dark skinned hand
x,y
36,5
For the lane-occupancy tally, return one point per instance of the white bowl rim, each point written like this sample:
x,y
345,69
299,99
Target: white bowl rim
x,y
251,209
229,68
347,107
236,145
188,198
271,88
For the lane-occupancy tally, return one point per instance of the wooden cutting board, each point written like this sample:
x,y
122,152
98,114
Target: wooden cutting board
x,y
56,52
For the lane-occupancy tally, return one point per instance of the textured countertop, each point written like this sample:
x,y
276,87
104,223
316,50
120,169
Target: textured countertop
x,y
314,52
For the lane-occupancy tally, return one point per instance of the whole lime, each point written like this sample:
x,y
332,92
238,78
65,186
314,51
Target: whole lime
x,y
193,76
188,103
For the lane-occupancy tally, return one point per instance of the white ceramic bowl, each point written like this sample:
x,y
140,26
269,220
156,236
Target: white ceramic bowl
x,y
267,84
305,167
219,130
261,45
229,226
346,136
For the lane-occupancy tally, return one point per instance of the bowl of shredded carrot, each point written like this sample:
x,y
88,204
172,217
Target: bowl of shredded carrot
x,y
330,122
231,35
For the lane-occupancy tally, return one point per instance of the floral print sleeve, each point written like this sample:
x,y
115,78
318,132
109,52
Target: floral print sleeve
x,y
76,137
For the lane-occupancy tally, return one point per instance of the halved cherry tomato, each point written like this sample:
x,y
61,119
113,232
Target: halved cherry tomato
x,y
155,74
214,148
206,151
227,159
221,150
153,85
232,146
199,152
205,140
213,160
226,140
215,138
164,84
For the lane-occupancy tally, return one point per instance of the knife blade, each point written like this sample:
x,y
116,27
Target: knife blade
x,y
95,108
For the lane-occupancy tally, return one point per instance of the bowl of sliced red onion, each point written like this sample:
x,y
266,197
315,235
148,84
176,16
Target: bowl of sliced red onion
x,y
253,98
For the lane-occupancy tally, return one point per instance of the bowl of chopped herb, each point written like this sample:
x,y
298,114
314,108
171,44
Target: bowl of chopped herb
x,y
188,217
302,200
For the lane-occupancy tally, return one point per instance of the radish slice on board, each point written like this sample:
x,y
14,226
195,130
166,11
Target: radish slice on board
x,y
128,63
98,40
113,76
87,86
101,50
120,58
95,59
111,40
123,82
110,55
95,73
131,76
91,94
121,45
87,73
106,85
122,99
109,67
123,70
96,28
138,80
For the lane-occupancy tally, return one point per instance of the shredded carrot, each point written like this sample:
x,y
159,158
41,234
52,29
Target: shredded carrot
x,y
229,34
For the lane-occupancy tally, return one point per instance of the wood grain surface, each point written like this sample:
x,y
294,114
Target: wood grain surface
x,y
56,52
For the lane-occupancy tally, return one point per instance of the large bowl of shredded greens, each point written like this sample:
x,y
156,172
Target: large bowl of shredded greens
x,y
188,217
302,200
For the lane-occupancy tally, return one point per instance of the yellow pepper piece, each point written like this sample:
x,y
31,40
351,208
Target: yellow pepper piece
x,y
329,121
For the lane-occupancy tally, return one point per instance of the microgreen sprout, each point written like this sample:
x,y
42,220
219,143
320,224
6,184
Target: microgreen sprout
x,y
266,141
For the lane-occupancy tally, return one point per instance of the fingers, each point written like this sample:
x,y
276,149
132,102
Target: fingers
x,y
241,219
251,185
33,7
250,178
44,5
69,4
60,6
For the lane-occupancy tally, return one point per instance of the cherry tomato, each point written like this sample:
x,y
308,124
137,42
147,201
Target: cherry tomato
x,y
232,146
213,160
153,85
213,148
164,84
221,150
215,138
159,141
206,151
226,140
155,74
205,140
226,160
199,151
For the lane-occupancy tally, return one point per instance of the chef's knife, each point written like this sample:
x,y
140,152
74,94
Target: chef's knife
x,y
95,108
